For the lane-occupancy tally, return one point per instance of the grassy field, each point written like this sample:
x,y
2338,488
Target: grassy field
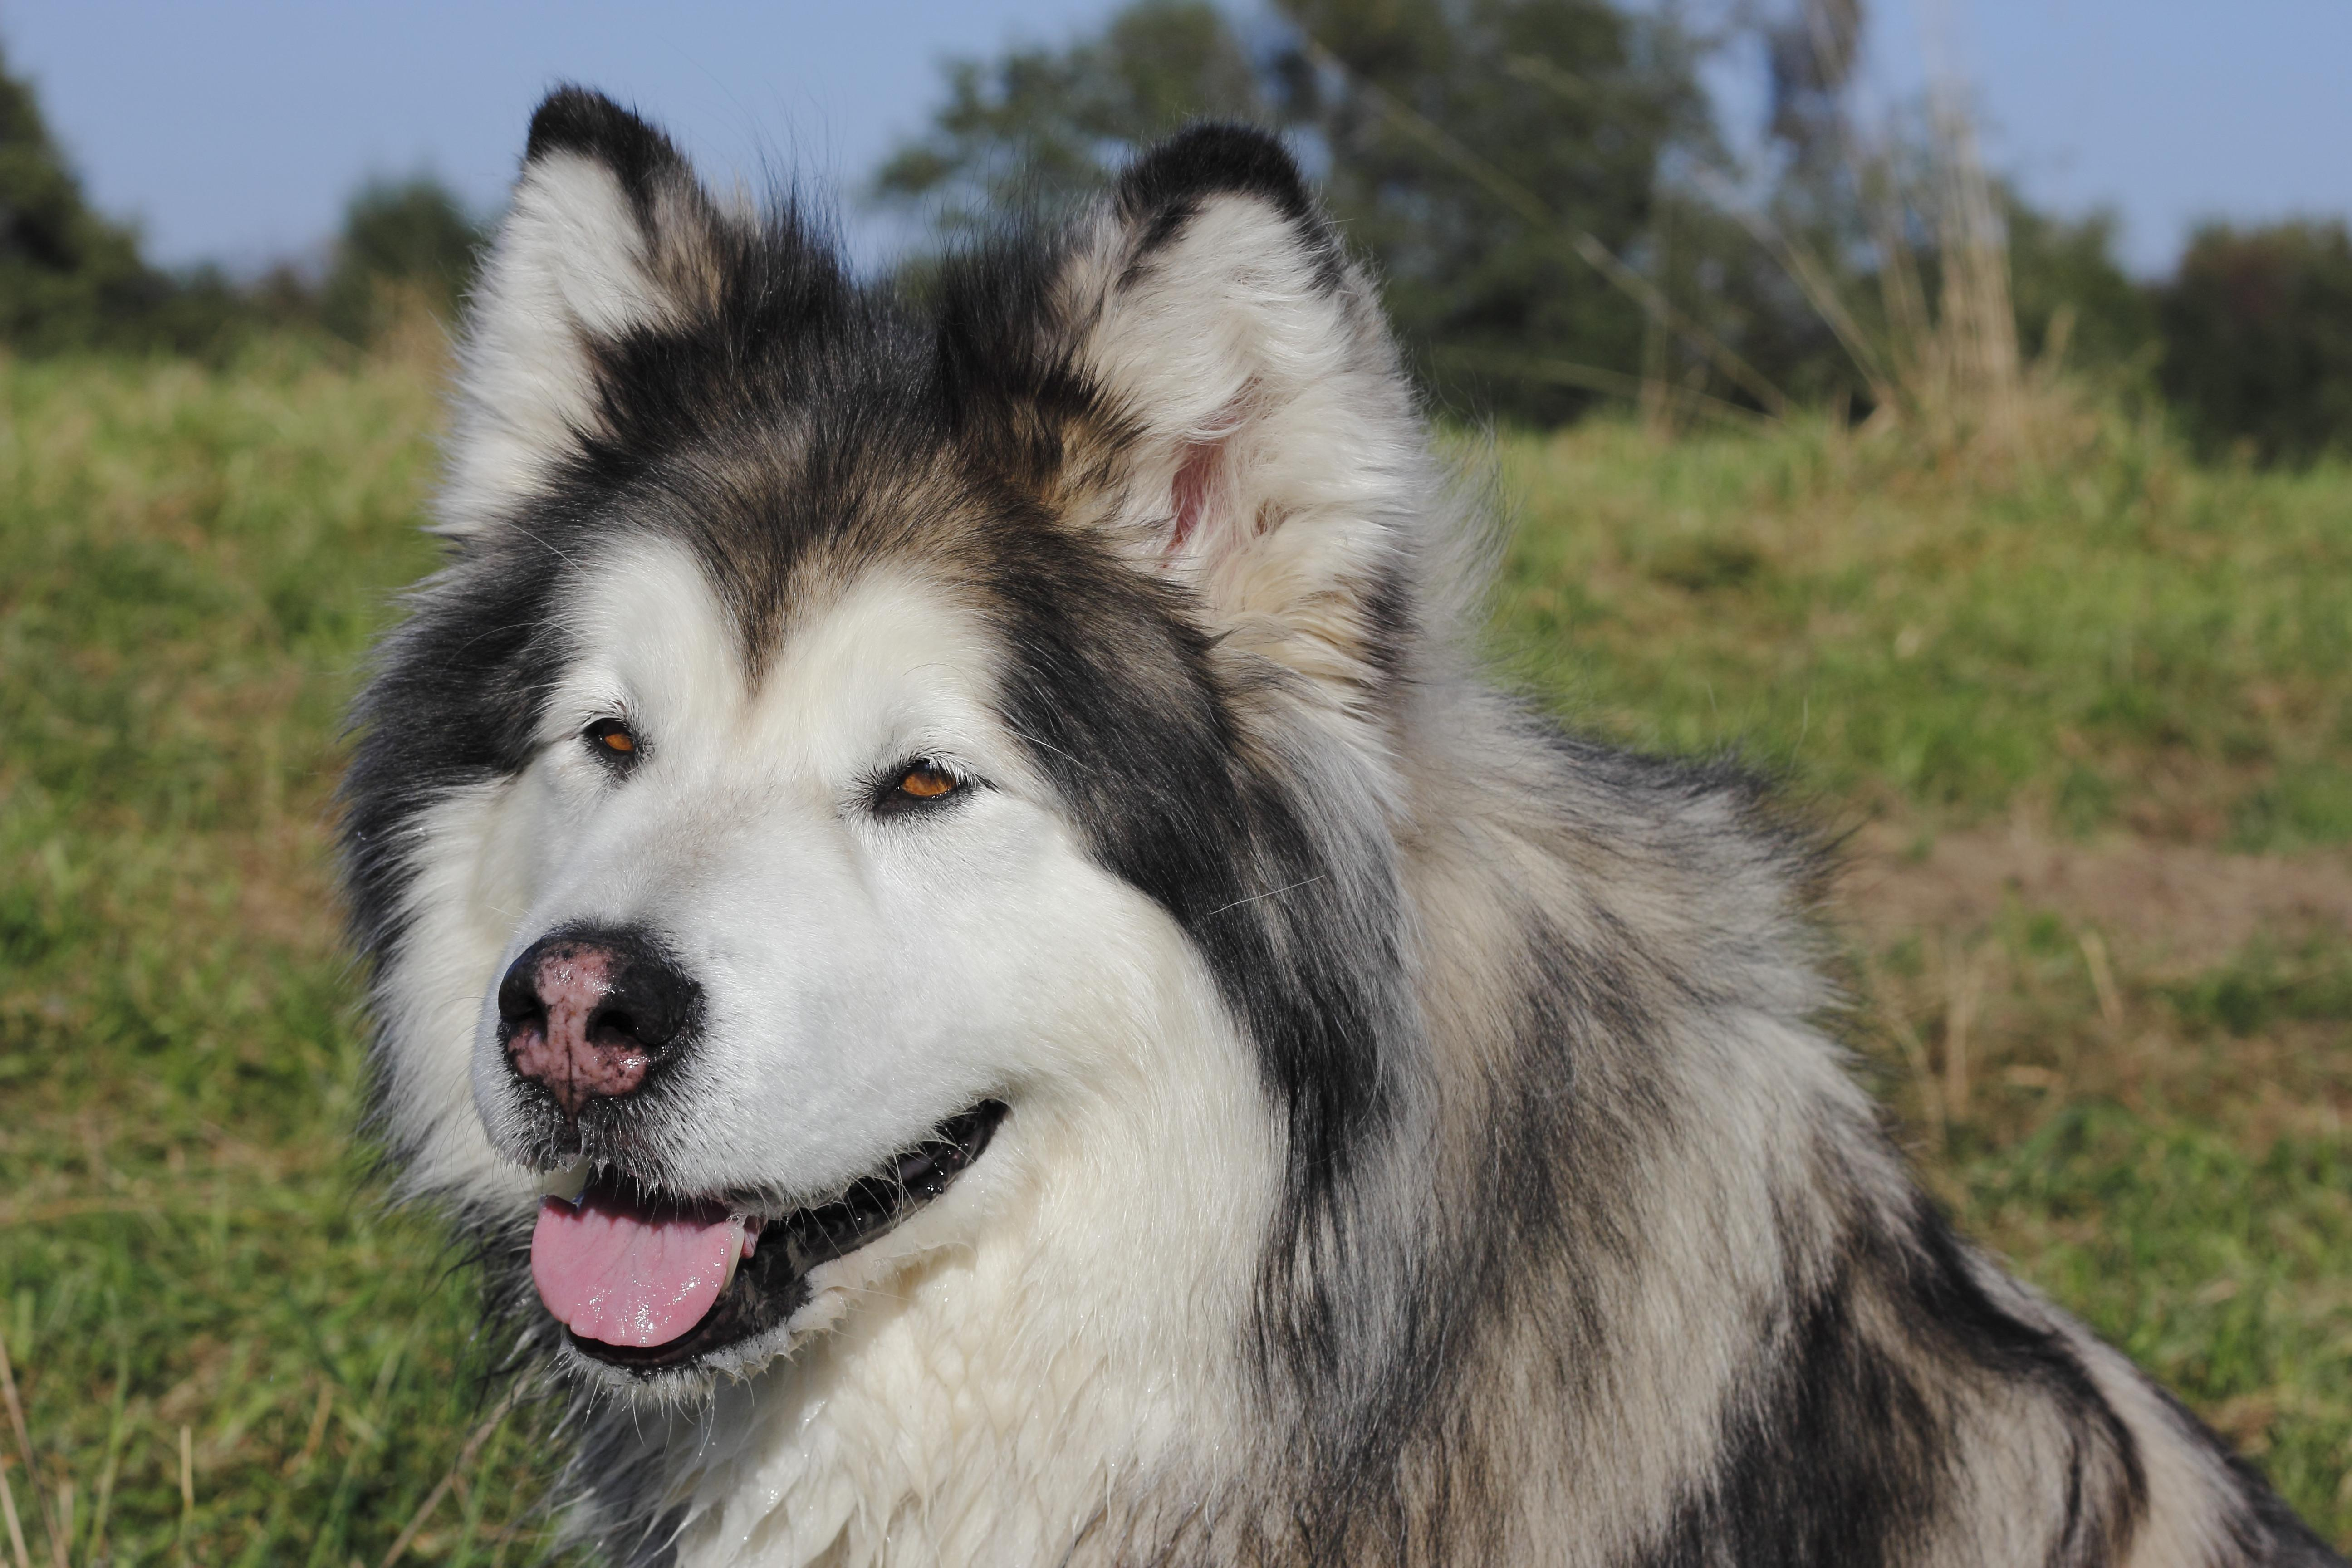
x,y
2082,719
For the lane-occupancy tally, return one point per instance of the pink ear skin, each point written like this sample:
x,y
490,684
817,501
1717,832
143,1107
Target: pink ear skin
x,y
1199,470
1196,476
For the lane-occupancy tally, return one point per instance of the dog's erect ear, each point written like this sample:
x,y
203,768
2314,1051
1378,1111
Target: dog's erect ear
x,y
608,233
1264,446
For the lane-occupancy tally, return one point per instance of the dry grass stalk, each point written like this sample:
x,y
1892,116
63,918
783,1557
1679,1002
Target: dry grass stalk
x,y
1662,312
414,336
1888,1005
454,1479
1959,1017
302,1461
8,1509
97,1552
2103,979
1947,366
187,1493
1973,360
24,1450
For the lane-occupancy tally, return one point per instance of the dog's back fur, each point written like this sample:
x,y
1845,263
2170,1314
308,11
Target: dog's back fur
x,y
1573,1240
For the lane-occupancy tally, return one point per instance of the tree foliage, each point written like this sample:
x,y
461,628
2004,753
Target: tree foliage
x,y
1468,146
405,244
2074,302
1039,128
1495,156
2258,337
69,279
1539,185
73,280
1543,189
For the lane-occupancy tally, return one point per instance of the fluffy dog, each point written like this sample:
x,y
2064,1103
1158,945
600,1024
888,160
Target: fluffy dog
x,y
947,899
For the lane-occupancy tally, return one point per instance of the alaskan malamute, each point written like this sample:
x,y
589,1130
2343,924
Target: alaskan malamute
x,y
949,902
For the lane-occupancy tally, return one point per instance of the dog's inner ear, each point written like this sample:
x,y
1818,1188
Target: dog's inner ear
x,y
1263,443
608,233
1196,492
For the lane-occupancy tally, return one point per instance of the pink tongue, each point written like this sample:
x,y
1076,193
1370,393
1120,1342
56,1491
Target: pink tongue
x,y
628,1277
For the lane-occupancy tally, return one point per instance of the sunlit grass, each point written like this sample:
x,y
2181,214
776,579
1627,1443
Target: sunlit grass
x,y
2105,633
191,566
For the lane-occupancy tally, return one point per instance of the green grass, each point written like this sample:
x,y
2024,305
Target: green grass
x,y
2110,633
2114,644
190,567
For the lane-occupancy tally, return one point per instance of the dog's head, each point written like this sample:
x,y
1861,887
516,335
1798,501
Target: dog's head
x,y
883,769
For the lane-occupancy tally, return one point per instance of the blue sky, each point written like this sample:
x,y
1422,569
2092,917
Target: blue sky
x,y
232,129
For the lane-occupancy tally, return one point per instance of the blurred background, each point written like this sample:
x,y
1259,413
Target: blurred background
x,y
1747,201
1946,407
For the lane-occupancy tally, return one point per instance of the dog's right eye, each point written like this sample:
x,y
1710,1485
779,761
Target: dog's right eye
x,y
612,742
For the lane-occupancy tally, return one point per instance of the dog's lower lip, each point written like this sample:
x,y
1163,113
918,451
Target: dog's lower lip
x,y
769,1281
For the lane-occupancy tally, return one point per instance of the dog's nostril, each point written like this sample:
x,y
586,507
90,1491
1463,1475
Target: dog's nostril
x,y
519,991
613,1026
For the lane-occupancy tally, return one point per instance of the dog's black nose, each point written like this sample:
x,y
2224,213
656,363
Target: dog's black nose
x,y
585,1014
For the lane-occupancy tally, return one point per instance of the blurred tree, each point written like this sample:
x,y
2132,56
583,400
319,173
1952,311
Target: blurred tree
x,y
1040,128
1810,57
1480,150
2257,327
69,279
405,244
2074,299
73,280
1842,288
1500,159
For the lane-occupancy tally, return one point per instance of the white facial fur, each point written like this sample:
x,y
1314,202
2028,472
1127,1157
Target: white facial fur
x,y
865,978
829,944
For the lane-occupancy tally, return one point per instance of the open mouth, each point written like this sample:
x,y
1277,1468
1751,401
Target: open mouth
x,y
650,1284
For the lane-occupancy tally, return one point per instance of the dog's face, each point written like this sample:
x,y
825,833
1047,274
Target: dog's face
x,y
823,816
818,896
795,938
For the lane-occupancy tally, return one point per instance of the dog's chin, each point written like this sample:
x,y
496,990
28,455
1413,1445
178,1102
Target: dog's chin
x,y
750,1322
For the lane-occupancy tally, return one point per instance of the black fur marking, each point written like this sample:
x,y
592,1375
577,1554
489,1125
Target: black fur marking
x,y
1161,191
1116,692
572,119
2264,1530
455,701
1835,1458
1842,1449
1387,626
2271,1533
1206,161
1943,1290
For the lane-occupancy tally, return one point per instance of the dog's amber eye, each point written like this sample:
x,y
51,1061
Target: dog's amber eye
x,y
611,739
925,782
918,784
